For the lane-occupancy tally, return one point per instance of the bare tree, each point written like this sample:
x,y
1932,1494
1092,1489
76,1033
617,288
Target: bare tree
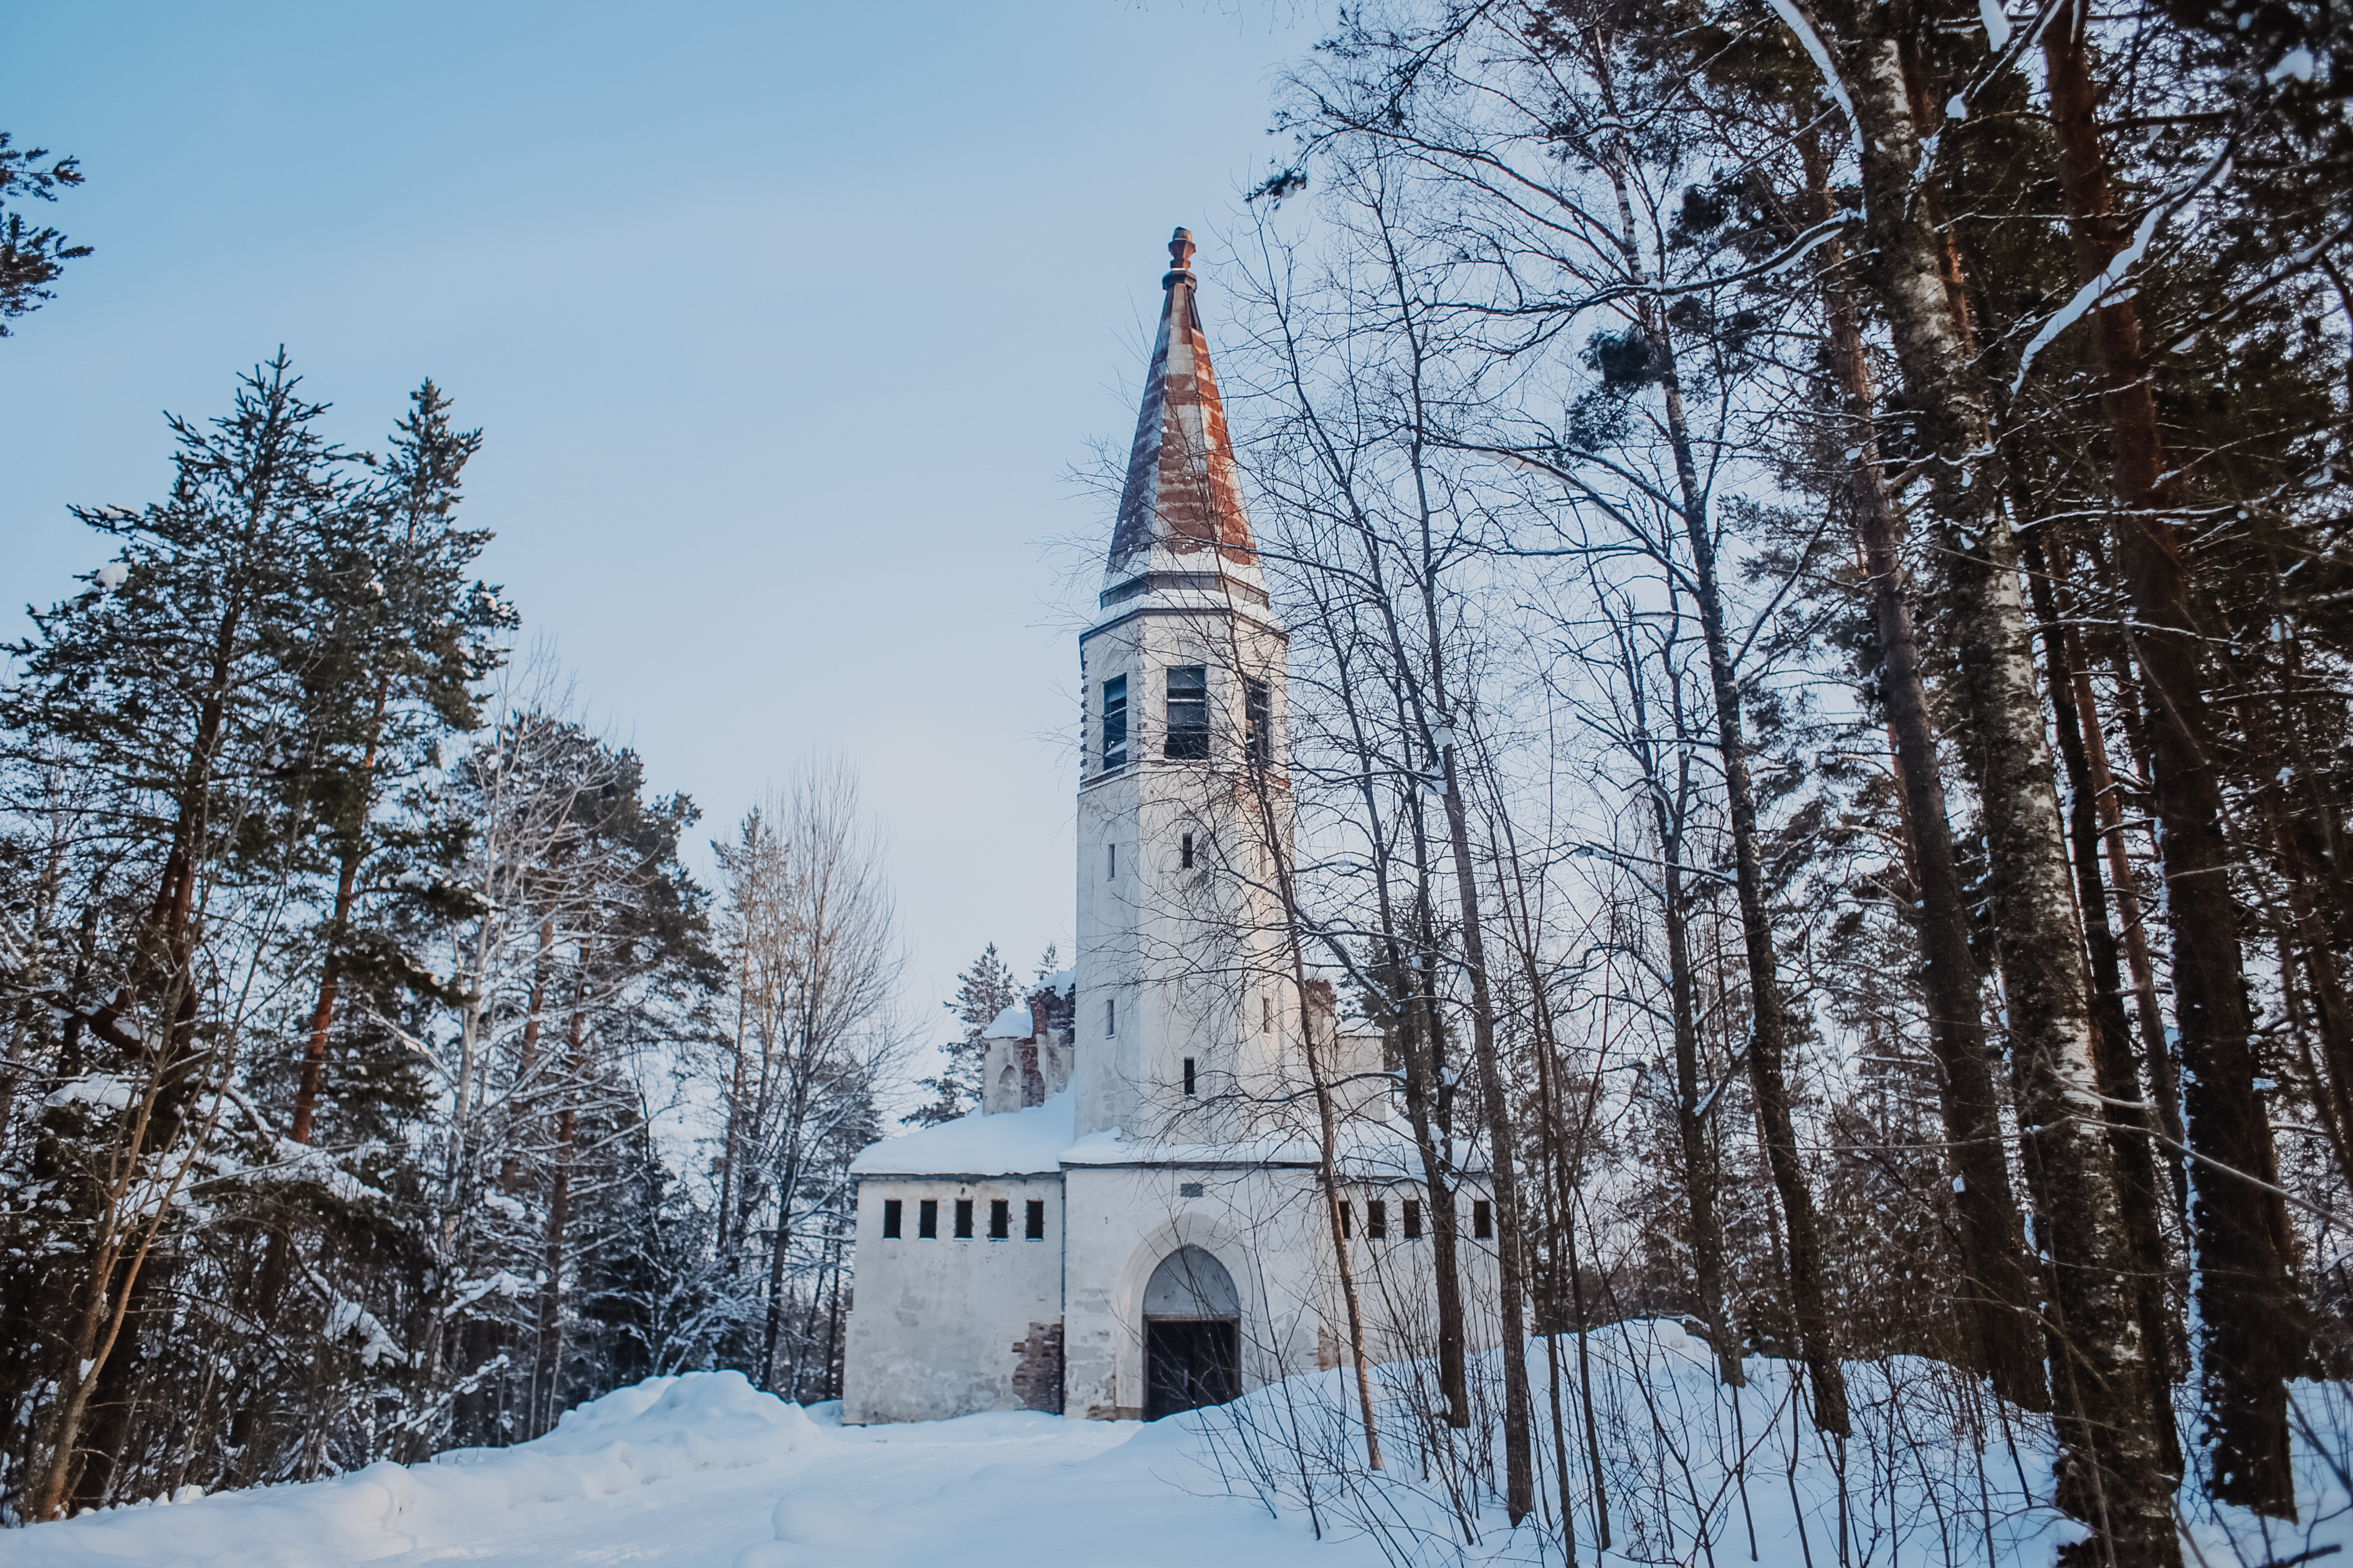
x,y
813,954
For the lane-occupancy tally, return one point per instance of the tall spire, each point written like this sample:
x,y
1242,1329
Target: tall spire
x,y
1181,511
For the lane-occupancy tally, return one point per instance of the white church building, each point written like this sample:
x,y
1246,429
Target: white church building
x,y
1134,1221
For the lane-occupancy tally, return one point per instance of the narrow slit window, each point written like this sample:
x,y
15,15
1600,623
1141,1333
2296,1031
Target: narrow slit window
x,y
1115,722
1413,1219
1111,862
891,1211
1000,1219
1347,1218
1033,1223
1187,852
1377,1220
1188,711
927,1220
963,1219
1111,1017
1189,1075
1483,1219
1265,1014
1258,710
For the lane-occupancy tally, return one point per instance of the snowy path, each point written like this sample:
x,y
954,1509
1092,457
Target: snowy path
x,y
702,1472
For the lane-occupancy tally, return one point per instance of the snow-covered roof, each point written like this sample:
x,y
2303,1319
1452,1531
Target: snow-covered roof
x,y
1019,1142
1038,1141
1368,1151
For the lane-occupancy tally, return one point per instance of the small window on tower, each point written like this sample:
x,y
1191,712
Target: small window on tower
x,y
1033,1227
1413,1219
1188,711
1258,713
927,1220
1000,1219
1111,1017
1115,722
1483,1219
963,1219
1347,1219
892,1209
1187,852
1377,1219
1265,1014
1111,862
1189,1075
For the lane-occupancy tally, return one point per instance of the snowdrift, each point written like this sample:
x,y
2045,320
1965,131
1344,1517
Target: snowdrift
x,y
658,1430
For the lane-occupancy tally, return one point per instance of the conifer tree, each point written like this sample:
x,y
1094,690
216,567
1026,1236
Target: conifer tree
x,y
983,991
176,685
31,259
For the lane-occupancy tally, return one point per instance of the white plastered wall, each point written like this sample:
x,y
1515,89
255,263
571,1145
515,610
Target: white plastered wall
x,y
939,1327
1191,958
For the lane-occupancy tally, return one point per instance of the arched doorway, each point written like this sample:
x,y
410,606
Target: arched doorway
x,y
1192,1335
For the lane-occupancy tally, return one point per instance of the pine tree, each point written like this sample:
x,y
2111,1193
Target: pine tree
x,y
983,991
31,259
175,684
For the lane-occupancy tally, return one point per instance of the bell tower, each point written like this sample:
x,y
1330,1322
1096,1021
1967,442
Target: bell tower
x,y
1183,994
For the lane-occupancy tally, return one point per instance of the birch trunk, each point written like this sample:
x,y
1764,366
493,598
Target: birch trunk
x,y
1519,1463
2134,1149
547,1363
2004,1295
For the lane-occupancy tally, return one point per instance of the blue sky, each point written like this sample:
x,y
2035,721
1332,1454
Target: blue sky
x,y
785,323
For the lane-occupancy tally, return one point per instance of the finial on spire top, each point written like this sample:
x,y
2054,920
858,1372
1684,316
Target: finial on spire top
x,y
1180,257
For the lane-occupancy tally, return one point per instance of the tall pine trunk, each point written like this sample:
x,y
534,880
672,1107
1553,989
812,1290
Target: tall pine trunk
x,y
2112,1468
2252,1333
347,871
2156,1050
1769,1047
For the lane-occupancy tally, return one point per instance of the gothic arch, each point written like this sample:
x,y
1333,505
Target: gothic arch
x,y
1221,1242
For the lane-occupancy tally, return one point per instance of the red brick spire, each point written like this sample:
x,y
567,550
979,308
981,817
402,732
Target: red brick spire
x,y
1182,508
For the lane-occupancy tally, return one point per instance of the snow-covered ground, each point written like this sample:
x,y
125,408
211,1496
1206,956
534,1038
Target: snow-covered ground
x,y
704,1471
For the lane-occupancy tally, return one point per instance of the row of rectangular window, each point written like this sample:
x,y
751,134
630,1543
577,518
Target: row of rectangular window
x,y
1000,1219
1377,1219
1186,695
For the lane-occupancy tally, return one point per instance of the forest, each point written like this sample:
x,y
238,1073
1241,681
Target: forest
x,y
361,1004
1816,565
1813,539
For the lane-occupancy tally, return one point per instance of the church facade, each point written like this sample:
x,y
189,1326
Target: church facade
x,y
1135,1221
